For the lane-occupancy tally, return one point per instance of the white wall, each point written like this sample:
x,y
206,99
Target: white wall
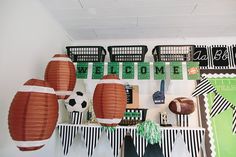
x,y
29,37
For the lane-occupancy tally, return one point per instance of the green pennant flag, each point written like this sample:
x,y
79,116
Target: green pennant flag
x,y
159,70
193,70
176,71
113,68
143,70
98,70
128,70
82,70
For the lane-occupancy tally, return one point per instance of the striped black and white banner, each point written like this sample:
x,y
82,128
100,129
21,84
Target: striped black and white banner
x,y
76,117
67,134
134,117
193,138
91,136
204,87
182,120
220,104
234,121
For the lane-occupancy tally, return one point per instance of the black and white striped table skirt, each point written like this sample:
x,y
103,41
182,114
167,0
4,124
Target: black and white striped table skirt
x,y
194,138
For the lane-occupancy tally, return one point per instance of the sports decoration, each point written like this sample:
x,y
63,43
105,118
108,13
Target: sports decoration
x,y
61,74
182,105
220,103
109,100
33,115
159,96
176,71
92,134
78,101
193,70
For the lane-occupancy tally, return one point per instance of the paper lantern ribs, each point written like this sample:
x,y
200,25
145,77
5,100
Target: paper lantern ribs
x,y
33,115
61,75
109,100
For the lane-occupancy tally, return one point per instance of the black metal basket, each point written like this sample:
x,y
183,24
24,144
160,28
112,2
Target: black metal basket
x,y
168,53
128,53
86,53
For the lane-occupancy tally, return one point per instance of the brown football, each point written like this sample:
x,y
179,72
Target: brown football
x,y
182,105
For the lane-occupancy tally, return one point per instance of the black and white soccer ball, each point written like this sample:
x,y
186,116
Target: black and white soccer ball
x,y
77,101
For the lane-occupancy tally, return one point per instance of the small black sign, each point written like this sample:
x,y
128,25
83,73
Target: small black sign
x,y
200,55
234,54
220,56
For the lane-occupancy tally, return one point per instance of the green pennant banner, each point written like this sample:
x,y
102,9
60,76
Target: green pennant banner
x,y
176,71
113,68
193,71
128,70
159,70
98,70
143,71
82,70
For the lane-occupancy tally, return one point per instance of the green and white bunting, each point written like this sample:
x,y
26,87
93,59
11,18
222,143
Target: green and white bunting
x,y
128,70
176,72
193,70
159,70
113,68
98,70
143,71
82,70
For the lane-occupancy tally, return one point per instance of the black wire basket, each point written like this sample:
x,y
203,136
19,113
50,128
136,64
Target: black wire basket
x,y
168,53
86,53
127,53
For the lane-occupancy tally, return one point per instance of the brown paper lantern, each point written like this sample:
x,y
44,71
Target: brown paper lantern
x,y
109,101
61,75
33,115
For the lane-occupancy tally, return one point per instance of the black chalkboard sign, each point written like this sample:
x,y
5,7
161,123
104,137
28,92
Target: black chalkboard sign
x,y
200,55
220,56
234,54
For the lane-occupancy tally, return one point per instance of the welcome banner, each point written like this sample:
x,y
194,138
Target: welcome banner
x,y
142,70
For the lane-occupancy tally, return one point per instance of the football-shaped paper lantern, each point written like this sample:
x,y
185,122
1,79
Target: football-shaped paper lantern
x,y
78,101
182,105
109,100
33,115
61,75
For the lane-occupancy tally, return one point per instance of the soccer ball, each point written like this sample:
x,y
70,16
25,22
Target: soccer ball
x,y
78,101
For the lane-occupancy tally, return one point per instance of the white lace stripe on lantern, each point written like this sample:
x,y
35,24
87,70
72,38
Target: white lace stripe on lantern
x,y
112,81
178,106
108,121
38,89
63,92
66,59
30,143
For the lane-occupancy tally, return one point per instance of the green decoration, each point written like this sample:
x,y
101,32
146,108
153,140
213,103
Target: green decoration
x,y
108,128
150,131
176,71
82,70
113,68
132,114
143,71
193,70
98,70
159,70
224,139
128,70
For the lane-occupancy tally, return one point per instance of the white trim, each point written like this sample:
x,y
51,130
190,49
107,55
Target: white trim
x,y
178,106
66,59
61,93
108,121
114,81
38,89
30,143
